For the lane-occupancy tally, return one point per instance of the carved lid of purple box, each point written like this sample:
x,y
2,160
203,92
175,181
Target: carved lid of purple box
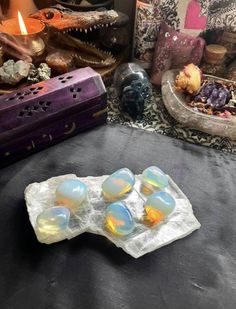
x,y
79,88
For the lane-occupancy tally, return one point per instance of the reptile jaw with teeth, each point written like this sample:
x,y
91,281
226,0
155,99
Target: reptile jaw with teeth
x,y
61,19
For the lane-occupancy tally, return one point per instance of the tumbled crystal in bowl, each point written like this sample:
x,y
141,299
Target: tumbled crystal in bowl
x,y
175,103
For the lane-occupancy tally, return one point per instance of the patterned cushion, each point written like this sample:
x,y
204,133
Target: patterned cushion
x,y
188,15
174,50
221,15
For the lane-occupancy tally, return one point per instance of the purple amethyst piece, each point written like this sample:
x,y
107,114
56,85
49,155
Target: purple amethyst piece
x,y
213,94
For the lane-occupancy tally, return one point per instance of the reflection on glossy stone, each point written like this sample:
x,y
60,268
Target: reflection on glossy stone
x,y
134,89
53,220
119,220
118,184
71,193
154,178
158,206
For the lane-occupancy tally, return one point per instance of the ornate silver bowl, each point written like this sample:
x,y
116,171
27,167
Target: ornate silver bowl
x,y
175,102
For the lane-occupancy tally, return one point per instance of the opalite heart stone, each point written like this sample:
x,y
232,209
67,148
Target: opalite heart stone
x,y
118,184
154,178
158,206
71,193
119,220
53,220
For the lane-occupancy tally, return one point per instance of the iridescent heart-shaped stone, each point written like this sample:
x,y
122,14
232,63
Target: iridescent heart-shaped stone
x,y
118,219
154,178
71,193
53,220
118,184
158,206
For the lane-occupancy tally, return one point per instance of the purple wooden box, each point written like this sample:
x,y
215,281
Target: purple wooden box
x,y
42,114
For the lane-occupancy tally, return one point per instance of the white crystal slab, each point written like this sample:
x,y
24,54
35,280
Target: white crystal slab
x,y
90,218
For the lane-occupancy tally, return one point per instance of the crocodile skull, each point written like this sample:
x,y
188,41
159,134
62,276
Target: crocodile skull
x,y
63,19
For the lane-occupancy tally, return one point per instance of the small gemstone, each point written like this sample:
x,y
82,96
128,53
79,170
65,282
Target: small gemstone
x,y
119,220
53,220
154,178
175,38
167,34
71,193
158,206
118,184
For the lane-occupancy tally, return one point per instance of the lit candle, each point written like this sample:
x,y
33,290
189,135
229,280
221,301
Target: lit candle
x,y
27,30
22,24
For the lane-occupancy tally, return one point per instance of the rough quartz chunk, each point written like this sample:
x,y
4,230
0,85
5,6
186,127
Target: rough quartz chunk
x,y
13,72
43,72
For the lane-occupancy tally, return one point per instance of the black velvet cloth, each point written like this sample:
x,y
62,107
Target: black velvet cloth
x,y
88,271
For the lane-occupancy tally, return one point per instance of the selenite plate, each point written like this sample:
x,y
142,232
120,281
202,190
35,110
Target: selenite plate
x,y
175,103
180,223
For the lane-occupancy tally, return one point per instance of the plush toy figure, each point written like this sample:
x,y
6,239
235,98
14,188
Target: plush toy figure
x,y
173,50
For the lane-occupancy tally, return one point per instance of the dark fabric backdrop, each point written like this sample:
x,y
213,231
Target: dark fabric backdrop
x,y
197,272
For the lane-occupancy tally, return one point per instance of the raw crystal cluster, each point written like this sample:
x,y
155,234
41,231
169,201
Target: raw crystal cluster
x,y
13,72
126,221
43,72
216,98
213,94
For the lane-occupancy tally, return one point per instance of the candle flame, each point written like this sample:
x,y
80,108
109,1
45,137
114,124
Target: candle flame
x,y
22,24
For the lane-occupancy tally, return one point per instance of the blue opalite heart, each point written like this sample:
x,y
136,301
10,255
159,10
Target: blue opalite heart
x,y
158,206
119,220
154,178
118,184
53,220
71,193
